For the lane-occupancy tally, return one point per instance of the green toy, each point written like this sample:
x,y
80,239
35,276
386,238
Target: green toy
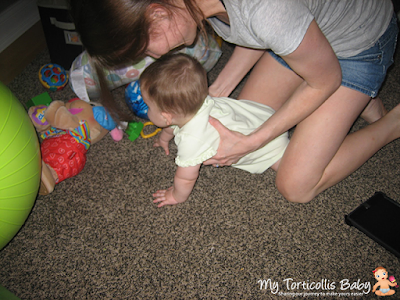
x,y
42,99
135,129
7,295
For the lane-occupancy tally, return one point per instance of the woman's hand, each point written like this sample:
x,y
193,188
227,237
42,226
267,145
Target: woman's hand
x,y
232,146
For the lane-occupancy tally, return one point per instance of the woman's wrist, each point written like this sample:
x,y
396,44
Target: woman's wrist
x,y
220,88
239,64
258,139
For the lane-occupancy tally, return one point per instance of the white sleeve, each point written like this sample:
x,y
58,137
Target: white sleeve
x,y
193,150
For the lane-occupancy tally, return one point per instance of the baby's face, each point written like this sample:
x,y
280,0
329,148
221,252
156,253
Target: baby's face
x,y
381,274
153,112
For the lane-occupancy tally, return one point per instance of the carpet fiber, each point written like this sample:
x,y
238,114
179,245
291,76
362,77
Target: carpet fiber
x,y
99,236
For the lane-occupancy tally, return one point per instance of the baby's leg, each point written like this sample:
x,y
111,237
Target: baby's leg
x,y
275,166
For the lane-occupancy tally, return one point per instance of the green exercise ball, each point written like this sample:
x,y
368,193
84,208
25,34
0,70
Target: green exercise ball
x,y
20,165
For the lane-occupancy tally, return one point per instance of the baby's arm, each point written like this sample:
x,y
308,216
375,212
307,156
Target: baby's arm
x,y
375,286
163,139
184,180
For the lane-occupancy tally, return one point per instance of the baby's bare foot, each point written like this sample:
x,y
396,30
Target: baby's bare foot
x,y
374,110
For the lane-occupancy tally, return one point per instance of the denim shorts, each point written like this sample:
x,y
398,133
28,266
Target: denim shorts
x,y
366,71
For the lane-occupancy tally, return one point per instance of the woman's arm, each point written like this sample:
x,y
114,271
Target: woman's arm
x,y
314,61
238,65
184,181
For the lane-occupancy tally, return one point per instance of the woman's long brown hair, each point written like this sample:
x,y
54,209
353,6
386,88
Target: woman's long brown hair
x,y
116,33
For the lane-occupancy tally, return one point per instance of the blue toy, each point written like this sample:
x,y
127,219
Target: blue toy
x,y
134,100
53,77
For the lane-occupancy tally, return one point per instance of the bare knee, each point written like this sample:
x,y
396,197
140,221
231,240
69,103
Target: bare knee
x,y
293,190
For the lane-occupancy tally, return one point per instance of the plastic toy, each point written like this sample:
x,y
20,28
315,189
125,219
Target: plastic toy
x,y
53,77
20,166
146,136
84,81
134,100
68,130
133,130
40,99
136,128
392,280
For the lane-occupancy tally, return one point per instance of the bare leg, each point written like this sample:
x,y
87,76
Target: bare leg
x,y
359,146
320,153
263,89
374,110
266,76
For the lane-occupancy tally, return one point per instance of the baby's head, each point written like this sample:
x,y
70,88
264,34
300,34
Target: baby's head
x,y
380,273
175,83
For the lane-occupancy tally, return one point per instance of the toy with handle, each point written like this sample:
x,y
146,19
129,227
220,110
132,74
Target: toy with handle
x,y
393,280
135,129
149,135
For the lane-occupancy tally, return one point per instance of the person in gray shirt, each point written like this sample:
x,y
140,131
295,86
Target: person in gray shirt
x,y
319,64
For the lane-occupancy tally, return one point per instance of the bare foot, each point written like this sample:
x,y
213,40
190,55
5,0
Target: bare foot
x,y
393,117
374,110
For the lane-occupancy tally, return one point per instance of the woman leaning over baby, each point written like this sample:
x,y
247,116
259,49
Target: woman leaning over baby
x,y
318,63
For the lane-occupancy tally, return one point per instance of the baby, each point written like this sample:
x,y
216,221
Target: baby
x,y
383,283
175,90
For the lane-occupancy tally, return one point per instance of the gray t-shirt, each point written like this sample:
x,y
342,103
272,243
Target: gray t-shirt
x,y
351,26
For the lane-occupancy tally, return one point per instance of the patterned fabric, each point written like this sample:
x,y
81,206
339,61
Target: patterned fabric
x,y
65,151
81,134
65,155
85,83
52,132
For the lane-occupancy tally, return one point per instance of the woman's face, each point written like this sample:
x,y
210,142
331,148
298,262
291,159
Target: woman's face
x,y
169,32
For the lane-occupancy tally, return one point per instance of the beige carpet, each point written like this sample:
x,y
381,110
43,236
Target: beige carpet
x,y
98,235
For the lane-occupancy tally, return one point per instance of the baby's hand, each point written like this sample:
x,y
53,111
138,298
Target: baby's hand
x,y
165,197
159,142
